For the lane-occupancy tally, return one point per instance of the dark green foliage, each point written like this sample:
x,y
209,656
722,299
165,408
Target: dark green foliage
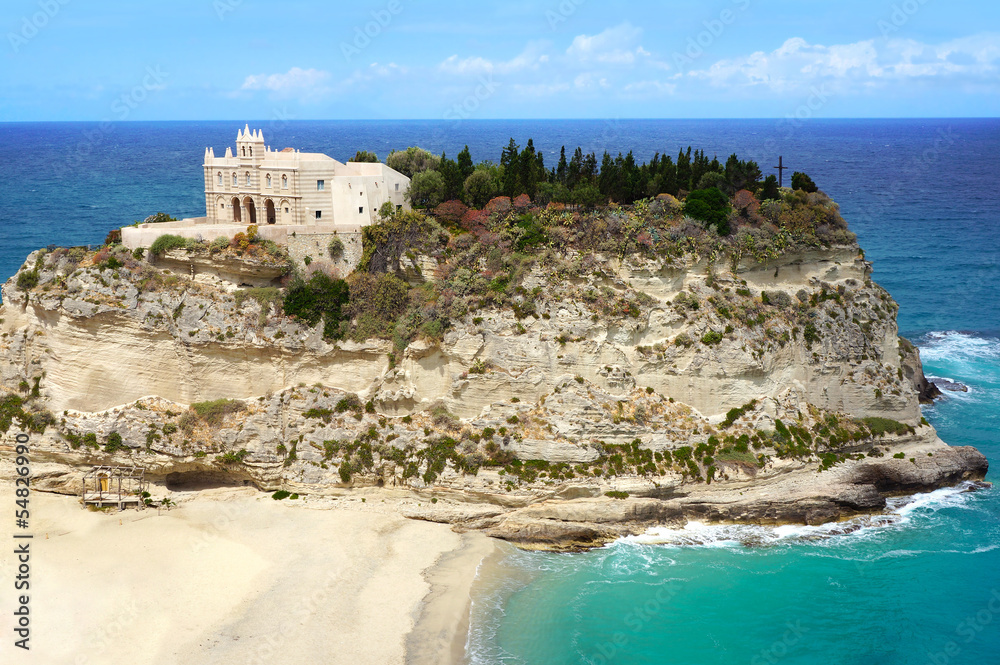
x,y
802,181
231,457
322,297
711,207
167,242
27,280
114,443
614,494
769,190
350,402
212,413
883,426
735,414
711,338
810,334
280,495
364,156
533,233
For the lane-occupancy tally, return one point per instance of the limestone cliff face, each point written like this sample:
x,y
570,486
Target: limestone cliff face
x,y
620,401
101,343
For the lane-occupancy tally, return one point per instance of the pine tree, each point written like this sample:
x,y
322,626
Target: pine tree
x,y
562,170
465,164
510,162
684,170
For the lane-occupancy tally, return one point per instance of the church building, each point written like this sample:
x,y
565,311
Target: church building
x,y
257,185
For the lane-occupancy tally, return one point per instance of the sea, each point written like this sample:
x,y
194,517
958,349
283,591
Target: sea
x,y
918,585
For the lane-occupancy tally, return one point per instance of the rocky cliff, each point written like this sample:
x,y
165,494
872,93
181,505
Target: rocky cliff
x,y
762,390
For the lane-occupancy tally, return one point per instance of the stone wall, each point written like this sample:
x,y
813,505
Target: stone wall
x,y
316,246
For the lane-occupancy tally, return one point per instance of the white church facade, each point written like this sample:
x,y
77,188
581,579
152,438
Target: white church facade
x,y
257,185
290,195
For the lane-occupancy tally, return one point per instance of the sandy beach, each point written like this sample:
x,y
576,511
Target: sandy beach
x,y
232,576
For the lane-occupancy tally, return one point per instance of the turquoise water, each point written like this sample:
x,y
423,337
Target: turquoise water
x,y
902,589
913,587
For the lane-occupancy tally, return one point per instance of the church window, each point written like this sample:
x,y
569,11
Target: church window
x,y
220,178
248,177
320,185
244,151
268,180
234,180
251,151
319,214
284,182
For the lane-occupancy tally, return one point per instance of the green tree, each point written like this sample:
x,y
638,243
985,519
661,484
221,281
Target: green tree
x,y
451,173
480,187
510,162
588,196
805,183
562,171
684,170
465,165
412,161
709,206
364,156
770,189
427,189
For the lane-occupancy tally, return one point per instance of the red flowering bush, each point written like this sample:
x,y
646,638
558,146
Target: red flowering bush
x,y
522,202
451,212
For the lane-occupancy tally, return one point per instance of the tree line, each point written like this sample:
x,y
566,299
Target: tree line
x,y
578,179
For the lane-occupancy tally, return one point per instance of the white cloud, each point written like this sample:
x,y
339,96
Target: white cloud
x,y
615,46
796,63
295,81
531,58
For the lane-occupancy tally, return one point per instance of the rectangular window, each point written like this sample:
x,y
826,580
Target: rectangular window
x,y
319,214
320,185
361,210
397,186
286,211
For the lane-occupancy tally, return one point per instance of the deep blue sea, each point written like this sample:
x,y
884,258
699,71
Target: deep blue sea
x,y
920,586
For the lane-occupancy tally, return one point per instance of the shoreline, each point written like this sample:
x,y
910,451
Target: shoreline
x,y
441,628
231,575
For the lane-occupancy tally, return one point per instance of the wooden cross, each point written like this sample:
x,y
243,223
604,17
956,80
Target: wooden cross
x,y
781,171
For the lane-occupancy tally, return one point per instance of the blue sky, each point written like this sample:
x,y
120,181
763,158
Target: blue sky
x,y
237,59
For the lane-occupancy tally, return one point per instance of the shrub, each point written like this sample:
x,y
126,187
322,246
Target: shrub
x,y
614,494
114,237
322,297
280,495
709,206
803,182
231,457
883,426
349,402
711,338
27,280
213,412
450,212
336,247
114,443
167,242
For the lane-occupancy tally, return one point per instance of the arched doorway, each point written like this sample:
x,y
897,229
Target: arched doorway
x,y
237,213
269,208
251,210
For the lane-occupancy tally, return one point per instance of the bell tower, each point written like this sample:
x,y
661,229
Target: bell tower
x,y
250,145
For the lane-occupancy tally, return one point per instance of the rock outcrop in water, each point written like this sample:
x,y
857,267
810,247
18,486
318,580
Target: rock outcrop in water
x,y
768,391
